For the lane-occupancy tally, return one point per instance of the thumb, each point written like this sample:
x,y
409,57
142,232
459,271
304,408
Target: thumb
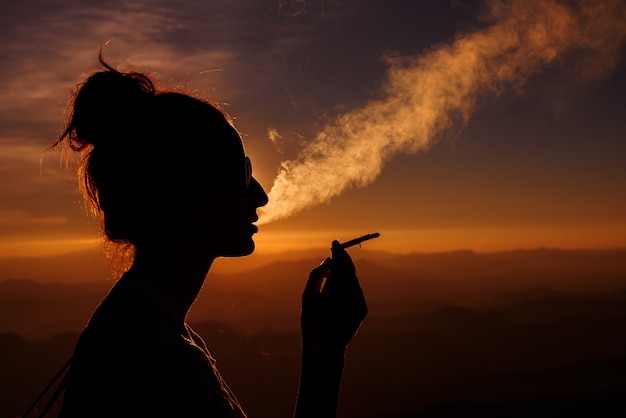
x,y
316,278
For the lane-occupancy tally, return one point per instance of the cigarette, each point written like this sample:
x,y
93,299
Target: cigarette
x,y
359,240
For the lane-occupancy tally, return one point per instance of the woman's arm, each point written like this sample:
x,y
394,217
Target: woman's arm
x,y
333,308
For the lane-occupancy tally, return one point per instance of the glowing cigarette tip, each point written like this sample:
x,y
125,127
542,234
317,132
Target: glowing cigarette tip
x,y
359,240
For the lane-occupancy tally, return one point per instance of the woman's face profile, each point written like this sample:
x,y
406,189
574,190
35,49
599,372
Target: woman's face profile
x,y
223,210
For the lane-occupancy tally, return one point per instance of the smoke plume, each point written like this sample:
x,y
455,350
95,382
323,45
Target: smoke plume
x,y
424,95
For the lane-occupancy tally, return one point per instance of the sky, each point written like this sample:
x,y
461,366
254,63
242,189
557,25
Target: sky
x,y
441,124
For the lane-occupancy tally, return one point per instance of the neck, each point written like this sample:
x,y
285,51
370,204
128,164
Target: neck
x,y
179,273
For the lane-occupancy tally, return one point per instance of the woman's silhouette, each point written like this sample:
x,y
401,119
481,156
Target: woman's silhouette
x,y
168,176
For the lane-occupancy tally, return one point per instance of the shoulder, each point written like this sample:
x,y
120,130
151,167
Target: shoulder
x,y
182,380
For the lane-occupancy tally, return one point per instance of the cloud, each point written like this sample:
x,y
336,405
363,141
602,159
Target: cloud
x,y
47,50
25,164
15,219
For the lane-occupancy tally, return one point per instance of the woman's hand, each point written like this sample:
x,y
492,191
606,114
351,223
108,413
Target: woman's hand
x,y
333,305
333,308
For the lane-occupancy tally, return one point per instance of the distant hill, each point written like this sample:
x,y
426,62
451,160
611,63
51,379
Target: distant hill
x,y
268,295
40,310
452,362
518,334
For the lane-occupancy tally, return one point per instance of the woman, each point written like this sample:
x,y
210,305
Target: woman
x,y
167,174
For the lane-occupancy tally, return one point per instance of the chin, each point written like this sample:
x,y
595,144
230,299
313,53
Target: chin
x,y
240,250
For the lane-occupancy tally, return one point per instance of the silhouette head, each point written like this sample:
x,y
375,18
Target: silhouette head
x,y
161,166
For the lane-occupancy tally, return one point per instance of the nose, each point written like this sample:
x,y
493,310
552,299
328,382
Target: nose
x,y
256,194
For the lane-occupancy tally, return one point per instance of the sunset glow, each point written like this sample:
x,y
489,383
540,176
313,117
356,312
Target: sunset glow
x,y
501,129
484,140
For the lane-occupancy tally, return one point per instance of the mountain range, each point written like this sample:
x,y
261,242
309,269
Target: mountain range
x,y
521,333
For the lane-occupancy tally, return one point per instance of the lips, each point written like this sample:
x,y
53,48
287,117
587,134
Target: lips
x,y
252,226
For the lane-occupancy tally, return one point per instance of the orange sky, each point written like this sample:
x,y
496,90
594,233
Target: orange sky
x,y
537,163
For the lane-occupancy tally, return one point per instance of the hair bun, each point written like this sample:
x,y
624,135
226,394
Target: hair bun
x,y
109,106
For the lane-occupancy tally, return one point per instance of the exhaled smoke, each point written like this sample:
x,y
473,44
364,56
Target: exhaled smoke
x,y
423,95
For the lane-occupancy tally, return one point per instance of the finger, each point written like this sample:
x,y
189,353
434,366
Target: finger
x,y
360,302
342,259
342,275
316,278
